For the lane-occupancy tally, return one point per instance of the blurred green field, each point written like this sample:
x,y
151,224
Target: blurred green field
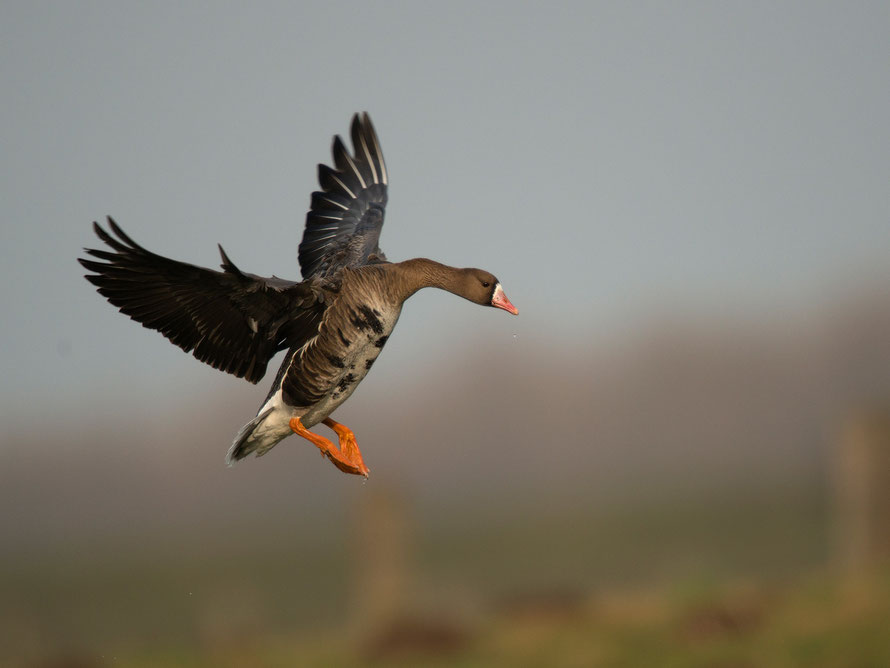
x,y
814,621
722,581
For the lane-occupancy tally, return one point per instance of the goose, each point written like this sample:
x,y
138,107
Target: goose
x,y
333,323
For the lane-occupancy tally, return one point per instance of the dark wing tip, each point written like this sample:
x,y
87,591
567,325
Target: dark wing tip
x,y
227,264
122,244
121,234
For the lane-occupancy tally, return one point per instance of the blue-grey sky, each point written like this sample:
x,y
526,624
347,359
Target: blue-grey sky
x,y
603,159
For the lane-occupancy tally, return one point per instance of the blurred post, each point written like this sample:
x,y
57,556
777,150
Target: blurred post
x,y
381,545
863,492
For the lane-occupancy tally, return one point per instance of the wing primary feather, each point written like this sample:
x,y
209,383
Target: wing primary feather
x,y
335,203
369,128
344,161
342,185
346,215
227,264
358,139
121,234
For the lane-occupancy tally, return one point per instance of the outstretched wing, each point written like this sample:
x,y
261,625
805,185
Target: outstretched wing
x,y
345,218
233,321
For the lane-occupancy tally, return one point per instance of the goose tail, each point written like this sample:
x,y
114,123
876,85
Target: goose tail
x,y
259,435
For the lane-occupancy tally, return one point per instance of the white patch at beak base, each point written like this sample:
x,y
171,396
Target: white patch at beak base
x,y
499,300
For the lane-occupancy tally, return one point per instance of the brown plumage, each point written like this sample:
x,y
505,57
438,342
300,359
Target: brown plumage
x,y
334,322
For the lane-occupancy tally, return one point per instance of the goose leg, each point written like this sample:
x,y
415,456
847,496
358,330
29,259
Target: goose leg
x,y
348,444
348,460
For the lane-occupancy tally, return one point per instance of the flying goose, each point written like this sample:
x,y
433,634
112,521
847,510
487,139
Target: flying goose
x,y
333,323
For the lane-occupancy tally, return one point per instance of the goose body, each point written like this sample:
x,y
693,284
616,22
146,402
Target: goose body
x,y
314,380
333,324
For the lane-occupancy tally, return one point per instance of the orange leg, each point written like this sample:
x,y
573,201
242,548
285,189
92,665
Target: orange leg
x,y
347,458
348,444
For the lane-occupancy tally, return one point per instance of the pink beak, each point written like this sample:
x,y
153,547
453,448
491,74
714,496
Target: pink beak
x,y
499,299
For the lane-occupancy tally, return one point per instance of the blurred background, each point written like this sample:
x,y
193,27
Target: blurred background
x,y
678,453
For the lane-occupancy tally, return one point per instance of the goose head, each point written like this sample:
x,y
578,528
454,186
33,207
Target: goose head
x,y
484,288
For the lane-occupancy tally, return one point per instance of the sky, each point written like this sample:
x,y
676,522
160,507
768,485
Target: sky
x,y
604,160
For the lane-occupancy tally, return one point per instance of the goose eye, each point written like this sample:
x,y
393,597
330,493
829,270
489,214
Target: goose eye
x,y
486,284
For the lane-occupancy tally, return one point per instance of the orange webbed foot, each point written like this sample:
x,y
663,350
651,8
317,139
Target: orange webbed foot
x,y
348,446
347,457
